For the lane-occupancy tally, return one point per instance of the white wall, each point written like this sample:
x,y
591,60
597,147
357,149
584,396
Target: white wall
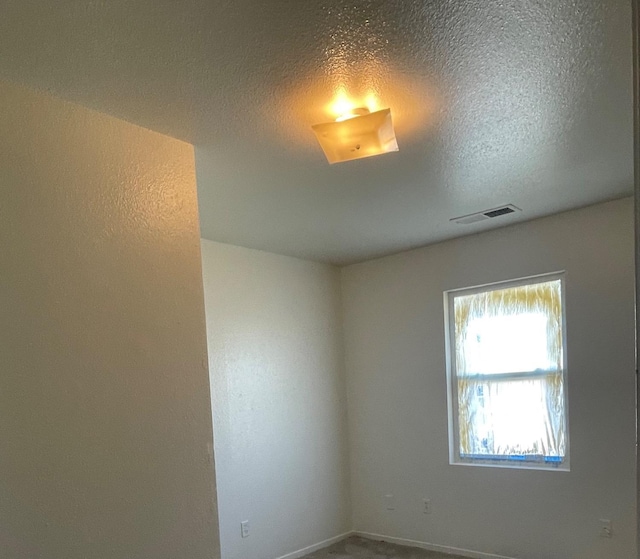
x,y
279,400
105,418
397,393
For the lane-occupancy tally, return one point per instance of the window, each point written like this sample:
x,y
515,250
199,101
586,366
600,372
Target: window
x,y
507,374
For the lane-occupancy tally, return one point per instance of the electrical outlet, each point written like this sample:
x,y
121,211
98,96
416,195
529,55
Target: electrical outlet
x,y
389,502
605,528
244,528
426,506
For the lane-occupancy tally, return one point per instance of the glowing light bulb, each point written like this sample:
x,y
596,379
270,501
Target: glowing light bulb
x,y
353,113
341,103
371,102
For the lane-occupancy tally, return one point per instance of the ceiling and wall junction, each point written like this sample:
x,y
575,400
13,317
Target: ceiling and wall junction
x,y
493,103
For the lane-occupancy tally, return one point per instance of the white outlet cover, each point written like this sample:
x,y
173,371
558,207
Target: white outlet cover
x,y
244,528
426,506
389,502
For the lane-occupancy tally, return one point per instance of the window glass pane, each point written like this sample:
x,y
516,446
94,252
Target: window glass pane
x,y
506,344
519,417
509,376
511,330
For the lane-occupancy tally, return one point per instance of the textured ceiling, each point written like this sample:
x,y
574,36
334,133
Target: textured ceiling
x,y
494,102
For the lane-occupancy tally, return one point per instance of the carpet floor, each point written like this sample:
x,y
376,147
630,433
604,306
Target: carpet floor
x,y
361,548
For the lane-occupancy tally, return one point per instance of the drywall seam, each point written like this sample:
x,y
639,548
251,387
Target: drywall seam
x,y
431,546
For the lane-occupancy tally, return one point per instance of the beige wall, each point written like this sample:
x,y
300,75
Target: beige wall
x,y
397,394
104,404
279,400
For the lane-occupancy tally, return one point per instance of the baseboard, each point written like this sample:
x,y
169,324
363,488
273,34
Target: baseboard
x,y
430,546
316,546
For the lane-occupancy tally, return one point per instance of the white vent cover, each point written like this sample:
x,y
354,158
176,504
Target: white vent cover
x,y
486,214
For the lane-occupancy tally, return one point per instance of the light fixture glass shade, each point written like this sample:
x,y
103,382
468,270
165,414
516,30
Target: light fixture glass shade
x,y
357,137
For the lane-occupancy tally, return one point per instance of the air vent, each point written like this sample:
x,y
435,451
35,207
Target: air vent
x,y
486,214
499,212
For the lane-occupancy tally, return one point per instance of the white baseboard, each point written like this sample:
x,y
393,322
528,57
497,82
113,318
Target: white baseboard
x,y
316,546
429,546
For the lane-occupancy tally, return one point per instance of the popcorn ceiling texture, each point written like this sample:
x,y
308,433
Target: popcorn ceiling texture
x,y
493,102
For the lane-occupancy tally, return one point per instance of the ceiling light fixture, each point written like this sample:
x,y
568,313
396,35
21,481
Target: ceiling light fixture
x,y
357,134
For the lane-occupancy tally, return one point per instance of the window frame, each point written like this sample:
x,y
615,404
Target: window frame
x,y
452,385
